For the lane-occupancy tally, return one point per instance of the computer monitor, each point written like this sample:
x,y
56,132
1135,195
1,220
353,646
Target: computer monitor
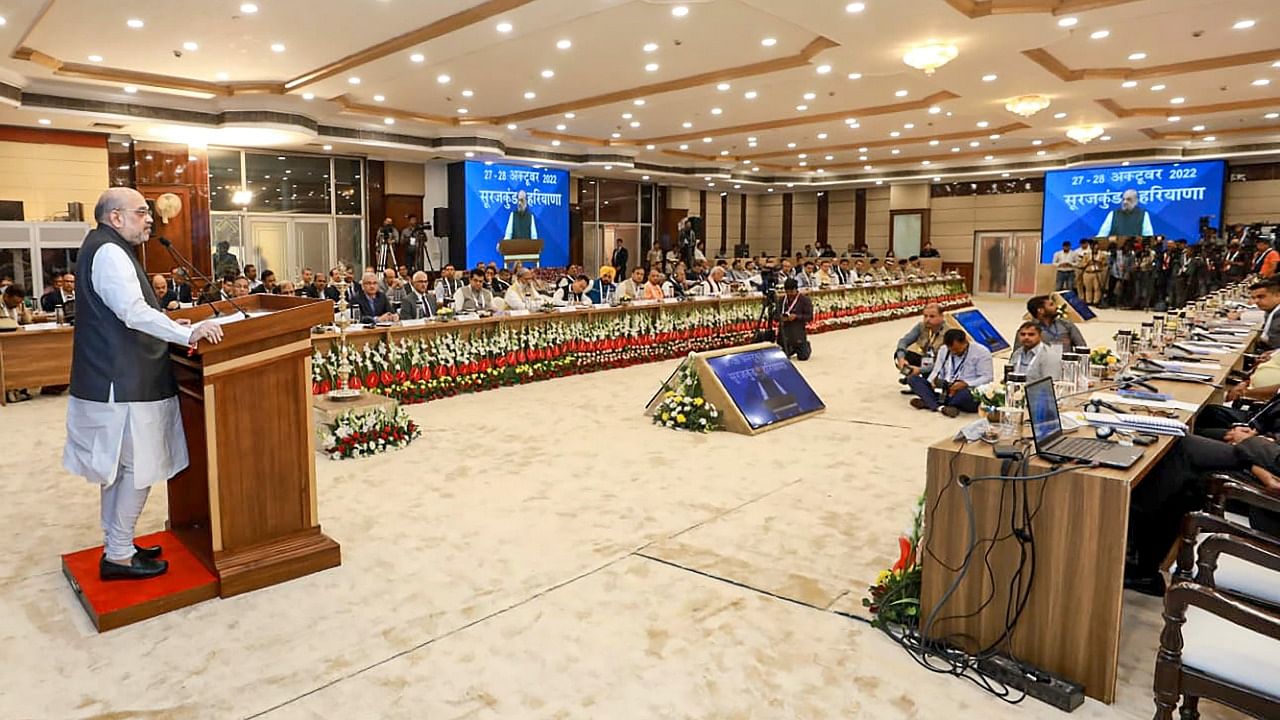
x,y
980,329
1042,405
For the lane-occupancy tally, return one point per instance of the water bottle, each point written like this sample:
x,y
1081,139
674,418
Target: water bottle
x,y
59,316
1144,336
1015,391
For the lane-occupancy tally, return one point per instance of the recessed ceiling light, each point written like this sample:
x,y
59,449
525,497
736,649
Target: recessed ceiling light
x,y
706,139
830,157
616,135
1138,56
277,47
1004,174
468,154
686,124
935,110
463,111
895,133
750,94
716,111
810,96
190,46
769,42
562,127
722,87
555,143
651,67
1037,142
855,76
1197,128
894,151
1067,22
328,147
529,95
1129,84
1209,138
512,126
95,58
248,8
308,96
901,93
1174,118
353,80
650,47
855,7
1177,100
724,152
130,89
932,143
866,167
1059,116
803,156
134,23
1243,24
990,78
418,57
1261,81
635,123
909,126
570,116
548,73
995,136
989,157
791,146
1100,34
803,163
802,108
638,102
822,136
443,79
627,116
1039,152
1157,88
468,93
564,44
503,27
974,143
1271,116
823,69
983,123
45,121
222,76
684,147
1105,138
679,11
955,149
389,121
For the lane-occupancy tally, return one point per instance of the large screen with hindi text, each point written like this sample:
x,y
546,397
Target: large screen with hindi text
x,y
493,200
1168,199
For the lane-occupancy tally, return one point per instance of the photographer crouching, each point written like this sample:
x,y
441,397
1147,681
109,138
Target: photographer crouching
x,y
797,311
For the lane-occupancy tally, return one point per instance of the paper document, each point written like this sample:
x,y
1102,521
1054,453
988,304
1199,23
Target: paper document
x,y
40,326
1121,401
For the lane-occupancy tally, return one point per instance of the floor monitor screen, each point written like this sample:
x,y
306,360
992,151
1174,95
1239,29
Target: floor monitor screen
x,y
765,386
1078,304
980,329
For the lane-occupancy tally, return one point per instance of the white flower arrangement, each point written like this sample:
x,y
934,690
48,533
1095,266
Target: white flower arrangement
x,y
362,433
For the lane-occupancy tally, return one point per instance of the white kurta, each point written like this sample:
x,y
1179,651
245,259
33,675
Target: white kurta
x,y
95,430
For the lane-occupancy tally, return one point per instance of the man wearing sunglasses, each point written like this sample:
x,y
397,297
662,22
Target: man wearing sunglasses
x,y
124,429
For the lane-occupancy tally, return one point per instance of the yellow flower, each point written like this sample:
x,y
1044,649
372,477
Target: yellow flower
x,y
669,394
666,417
680,419
698,402
883,577
1113,360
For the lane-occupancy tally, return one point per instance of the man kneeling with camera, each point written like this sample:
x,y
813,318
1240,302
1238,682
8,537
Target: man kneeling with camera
x,y
797,311
960,365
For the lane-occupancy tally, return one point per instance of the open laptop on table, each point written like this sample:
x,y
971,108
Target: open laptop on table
x,y
1046,429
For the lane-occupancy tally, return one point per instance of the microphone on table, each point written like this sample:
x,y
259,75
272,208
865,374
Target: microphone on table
x,y
173,251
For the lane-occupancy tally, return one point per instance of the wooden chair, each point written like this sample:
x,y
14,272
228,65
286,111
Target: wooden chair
x,y
1218,646
1234,577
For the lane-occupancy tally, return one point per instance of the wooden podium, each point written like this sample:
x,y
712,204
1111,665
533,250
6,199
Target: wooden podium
x,y
246,505
520,251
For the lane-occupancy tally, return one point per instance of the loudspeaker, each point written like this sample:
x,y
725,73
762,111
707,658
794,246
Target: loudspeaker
x,y
440,221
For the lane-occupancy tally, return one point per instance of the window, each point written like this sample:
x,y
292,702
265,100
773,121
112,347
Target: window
x,y
287,184
347,189
57,260
15,263
350,242
224,178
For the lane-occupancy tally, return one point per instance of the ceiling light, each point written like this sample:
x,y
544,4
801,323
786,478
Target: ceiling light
x,y
95,58
1177,101
723,87
935,110
930,57
1084,134
644,177
635,123
512,126
1041,153
855,7
1209,138
570,116
651,47
468,93
328,147
277,47
1157,88
803,163
822,136
443,79
909,126
803,156
802,108
955,149
190,46
990,78
1129,84
1138,56
995,136
724,152
925,162
823,69
932,143
983,123
468,154
974,143
389,121
1174,118
706,140
548,73
1100,34
686,124
222,76
562,127
989,157
716,111
895,133
504,27
855,76
1059,116
1067,22
45,121
638,102
1271,116
1037,142
1261,81
134,23
791,146
418,57
463,111
1004,174
529,95
894,151
555,143
616,135
810,96
1025,105
308,96
1105,138
353,80
1243,25
627,116
248,8
130,89
900,93
651,67
679,11
564,44
1197,128
750,94
769,42
684,147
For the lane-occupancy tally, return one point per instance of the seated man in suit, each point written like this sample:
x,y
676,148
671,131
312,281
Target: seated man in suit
x,y
168,300
180,285
574,294
419,302
267,286
1266,295
960,366
328,290
447,285
676,285
797,311
240,287
523,293
373,303
1032,357
57,296
474,297
314,286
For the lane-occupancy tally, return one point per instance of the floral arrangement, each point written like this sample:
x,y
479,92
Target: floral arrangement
x,y
438,362
445,313
1102,355
989,396
362,433
895,598
683,407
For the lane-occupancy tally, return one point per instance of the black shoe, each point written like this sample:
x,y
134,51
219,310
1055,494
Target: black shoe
x,y
902,380
139,569
148,553
1148,584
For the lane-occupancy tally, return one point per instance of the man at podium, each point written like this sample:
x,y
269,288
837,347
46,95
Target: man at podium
x,y
521,225
124,429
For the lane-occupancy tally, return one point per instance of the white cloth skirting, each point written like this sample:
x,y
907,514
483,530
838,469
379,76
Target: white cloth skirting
x,y
96,435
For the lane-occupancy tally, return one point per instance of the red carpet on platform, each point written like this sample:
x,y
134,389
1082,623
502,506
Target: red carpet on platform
x,y
121,602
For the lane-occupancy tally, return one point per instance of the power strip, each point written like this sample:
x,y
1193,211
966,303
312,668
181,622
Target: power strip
x,y
1039,684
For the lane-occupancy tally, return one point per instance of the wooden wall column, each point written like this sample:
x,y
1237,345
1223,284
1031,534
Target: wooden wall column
x,y
787,202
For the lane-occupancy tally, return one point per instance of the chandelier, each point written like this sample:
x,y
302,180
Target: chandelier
x,y
1084,135
930,57
1027,105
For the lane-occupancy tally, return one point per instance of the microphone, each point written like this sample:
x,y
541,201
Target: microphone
x,y
168,245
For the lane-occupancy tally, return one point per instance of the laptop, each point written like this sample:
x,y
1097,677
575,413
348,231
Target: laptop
x,y
1046,429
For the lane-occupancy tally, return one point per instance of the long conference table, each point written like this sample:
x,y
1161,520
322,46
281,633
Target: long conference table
x,y
1070,625
545,344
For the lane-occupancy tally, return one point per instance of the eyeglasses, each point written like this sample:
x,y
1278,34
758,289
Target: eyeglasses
x,y
137,211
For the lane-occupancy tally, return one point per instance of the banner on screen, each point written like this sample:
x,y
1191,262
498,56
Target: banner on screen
x,y
765,386
1170,200
494,193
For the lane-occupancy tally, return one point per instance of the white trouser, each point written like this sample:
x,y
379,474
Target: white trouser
x,y
121,505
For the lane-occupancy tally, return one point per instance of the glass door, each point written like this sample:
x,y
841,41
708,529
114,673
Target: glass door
x,y
314,246
268,241
1006,262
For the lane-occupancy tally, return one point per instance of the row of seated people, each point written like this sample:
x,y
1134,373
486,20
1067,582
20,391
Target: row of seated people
x,y
940,366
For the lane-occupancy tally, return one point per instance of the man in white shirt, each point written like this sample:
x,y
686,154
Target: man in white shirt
x,y
474,297
1065,262
523,293
714,284
574,293
633,287
1032,357
124,429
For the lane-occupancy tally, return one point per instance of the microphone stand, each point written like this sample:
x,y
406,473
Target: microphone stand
x,y
173,252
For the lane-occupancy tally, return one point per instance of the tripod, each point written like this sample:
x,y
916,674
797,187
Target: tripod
x,y
386,250
767,321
